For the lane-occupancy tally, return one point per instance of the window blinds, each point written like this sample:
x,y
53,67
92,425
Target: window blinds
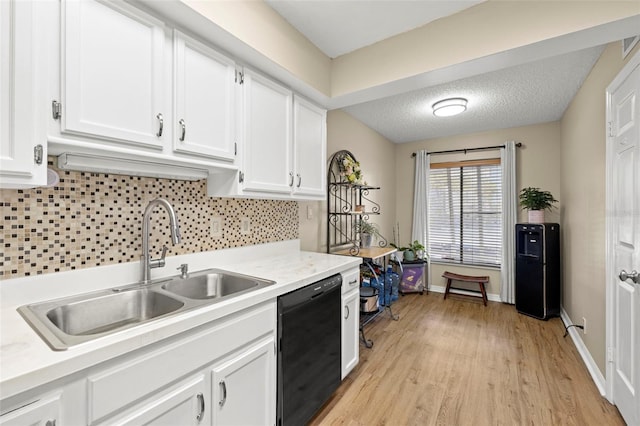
x,y
465,213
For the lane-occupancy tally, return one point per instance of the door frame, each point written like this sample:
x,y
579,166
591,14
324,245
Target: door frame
x,y
609,265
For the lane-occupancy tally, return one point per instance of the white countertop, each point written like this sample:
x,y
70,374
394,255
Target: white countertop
x,y
26,361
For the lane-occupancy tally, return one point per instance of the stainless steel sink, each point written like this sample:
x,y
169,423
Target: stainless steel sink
x,y
110,312
213,285
73,320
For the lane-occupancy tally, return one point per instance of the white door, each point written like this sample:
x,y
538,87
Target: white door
x,y
267,135
350,330
112,72
205,100
310,146
623,235
244,387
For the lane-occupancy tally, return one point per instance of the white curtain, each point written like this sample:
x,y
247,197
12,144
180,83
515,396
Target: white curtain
x,y
420,226
509,217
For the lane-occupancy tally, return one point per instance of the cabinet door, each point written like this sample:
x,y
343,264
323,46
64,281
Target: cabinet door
x,y
267,135
244,387
112,72
350,331
44,412
205,100
310,148
185,404
20,112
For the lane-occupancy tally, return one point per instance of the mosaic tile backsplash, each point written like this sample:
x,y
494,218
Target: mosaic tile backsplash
x,y
93,219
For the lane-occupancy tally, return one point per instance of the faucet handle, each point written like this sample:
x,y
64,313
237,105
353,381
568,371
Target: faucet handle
x,y
161,260
158,263
184,270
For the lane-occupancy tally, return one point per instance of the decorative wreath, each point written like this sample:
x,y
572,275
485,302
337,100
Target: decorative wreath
x,y
351,171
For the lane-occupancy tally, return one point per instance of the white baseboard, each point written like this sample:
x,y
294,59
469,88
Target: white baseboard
x,y
596,375
440,289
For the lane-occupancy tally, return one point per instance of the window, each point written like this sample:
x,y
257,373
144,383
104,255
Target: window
x,y
465,203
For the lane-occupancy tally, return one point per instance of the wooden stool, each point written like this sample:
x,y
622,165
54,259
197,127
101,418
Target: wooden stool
x,y
450,276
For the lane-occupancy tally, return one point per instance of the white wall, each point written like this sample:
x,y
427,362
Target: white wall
x,y
377,159
538,164
583,181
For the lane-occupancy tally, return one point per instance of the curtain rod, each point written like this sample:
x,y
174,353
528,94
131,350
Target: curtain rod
x,y
465,150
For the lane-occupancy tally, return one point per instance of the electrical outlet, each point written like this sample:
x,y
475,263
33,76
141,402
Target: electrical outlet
x,y
584,325
309,212
245,226
216,227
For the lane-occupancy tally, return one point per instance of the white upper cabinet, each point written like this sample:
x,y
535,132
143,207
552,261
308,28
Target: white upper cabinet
x,y
204,95
267,152
113,80
310,147
284,143
23,146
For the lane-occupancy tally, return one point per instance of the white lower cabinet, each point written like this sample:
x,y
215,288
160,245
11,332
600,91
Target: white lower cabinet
x,y
350,321
350,329
42,412
240,352
244,388
184,404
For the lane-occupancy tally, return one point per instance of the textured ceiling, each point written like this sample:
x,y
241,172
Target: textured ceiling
x,y
535,92
538,92
337,27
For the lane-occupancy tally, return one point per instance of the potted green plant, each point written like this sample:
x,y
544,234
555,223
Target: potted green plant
x,y
536,202
366,230
413,251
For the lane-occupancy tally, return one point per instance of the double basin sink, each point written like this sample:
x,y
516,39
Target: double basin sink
x,y
72,320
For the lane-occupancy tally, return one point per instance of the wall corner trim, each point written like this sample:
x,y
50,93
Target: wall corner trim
x,y
594,371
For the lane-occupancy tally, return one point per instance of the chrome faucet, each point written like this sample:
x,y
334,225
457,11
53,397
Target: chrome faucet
x,y
147,262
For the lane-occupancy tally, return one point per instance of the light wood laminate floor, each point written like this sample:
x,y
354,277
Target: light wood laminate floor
x,y
456,362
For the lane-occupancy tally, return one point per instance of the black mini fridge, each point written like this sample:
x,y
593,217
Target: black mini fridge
x,y
538,269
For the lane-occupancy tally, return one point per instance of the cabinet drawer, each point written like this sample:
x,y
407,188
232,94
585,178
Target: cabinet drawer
x,y
137,377
45,411
350,280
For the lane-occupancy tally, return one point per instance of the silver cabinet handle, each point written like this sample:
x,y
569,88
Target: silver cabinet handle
x,y
346,311
633,276
184,129
200,415
223,388
299,180
160,124
291,178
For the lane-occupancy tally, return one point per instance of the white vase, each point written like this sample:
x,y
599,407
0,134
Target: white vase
x,y
365,240
536,216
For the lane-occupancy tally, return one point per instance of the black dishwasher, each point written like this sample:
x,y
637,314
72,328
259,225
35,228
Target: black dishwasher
x,y
309,349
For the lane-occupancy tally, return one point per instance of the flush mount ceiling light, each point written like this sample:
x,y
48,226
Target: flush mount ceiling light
x,y
449,107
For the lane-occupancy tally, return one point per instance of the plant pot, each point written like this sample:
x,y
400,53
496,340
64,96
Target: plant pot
x,y
365,240
408,255
536,216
